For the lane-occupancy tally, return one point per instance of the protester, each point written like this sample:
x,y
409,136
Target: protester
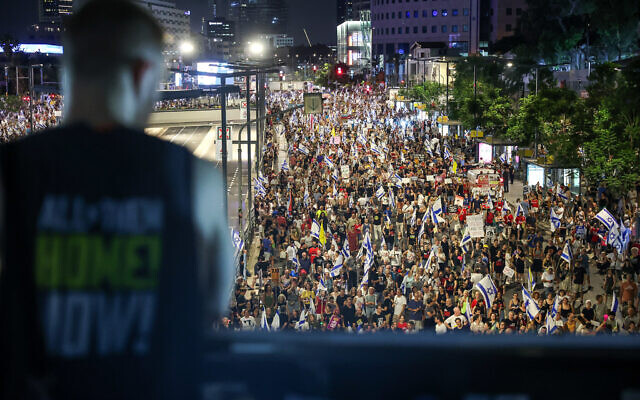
x,y
380,200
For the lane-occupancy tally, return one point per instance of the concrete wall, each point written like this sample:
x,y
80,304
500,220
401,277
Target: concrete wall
x,y
191,117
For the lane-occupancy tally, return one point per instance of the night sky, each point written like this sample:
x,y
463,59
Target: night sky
x,y
317,16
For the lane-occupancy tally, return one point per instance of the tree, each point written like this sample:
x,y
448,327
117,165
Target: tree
x,y
429,92
607,159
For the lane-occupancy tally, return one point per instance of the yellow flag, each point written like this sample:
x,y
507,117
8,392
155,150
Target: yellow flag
x,y
322,237
454,166
333,131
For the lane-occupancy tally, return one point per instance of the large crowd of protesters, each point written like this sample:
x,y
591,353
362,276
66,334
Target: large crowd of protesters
x,y
364,216
17,123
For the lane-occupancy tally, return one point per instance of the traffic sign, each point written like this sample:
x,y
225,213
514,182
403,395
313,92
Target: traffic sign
x,y
220,133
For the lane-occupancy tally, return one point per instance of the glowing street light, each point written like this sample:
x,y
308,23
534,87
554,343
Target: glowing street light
x,y
186,48
255,48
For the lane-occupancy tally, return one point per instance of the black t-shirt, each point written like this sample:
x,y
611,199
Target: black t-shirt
x,y
348,313
100,281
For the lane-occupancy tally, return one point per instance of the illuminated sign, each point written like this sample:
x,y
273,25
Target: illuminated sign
x,y
484,153
214,68
38,48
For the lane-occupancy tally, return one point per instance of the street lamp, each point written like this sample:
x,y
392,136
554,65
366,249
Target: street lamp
x,y
186,48
255,49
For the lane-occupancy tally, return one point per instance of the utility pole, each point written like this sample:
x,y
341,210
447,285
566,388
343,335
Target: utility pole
x,y
447,88
31,97
249,199
223,116
6,80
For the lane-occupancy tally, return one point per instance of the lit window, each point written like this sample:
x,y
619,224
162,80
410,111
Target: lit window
x,y
454,12
444,29
465,11
454,28
434,12
408,14
465,28
444,12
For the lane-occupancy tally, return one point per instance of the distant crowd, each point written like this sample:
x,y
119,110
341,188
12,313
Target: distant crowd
x,y
15,124
369,220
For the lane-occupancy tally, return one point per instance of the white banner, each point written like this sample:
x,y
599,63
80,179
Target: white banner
x,y
345,171
475,223
508,272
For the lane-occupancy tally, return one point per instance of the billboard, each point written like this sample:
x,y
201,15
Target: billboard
x,y
214,68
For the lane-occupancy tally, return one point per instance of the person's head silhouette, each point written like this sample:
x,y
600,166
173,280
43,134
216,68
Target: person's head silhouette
x,y
112,64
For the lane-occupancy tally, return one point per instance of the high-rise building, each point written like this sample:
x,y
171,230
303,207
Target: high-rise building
x,y
256,17
453,25
174,21
349,10
353,48
53,11
503,17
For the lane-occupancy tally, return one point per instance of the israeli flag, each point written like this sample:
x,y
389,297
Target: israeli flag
x,y
614,304
321,286
380,193
430,152
437,207
340,152
489,201
505,207
285,166
305,198
554,220
555,307
335,175
302,149
315,229
567,252
413,218
335,191
275,324
625,235
302,320
403,287
421,231
606,218
329,163
446,155
467,311
345,252
366,244
520,210
392,199
398,181
295,262
427,266
466,239
375,150
335,270
434,216
263,321
238,243
350,201
365,279
529,304
487,289
550,324
562,194
503,158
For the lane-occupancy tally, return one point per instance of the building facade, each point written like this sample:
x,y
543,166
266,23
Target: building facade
x,y
53,11
349,10
175,22
277,41
396,25
353,47
503,17
258,17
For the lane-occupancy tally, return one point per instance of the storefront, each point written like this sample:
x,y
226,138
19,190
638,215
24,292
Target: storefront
x,y
548,174
491,149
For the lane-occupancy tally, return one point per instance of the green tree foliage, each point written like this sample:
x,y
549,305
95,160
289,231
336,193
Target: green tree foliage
x,y
608,159
429,92
322,75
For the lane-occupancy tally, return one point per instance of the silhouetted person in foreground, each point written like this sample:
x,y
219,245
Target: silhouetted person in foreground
x,y
115,255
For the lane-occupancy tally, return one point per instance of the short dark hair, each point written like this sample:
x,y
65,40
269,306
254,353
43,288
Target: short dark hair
x,y
102,32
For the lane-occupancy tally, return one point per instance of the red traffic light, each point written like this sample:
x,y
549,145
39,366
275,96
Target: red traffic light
x,y
26,98
339,71
315,68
